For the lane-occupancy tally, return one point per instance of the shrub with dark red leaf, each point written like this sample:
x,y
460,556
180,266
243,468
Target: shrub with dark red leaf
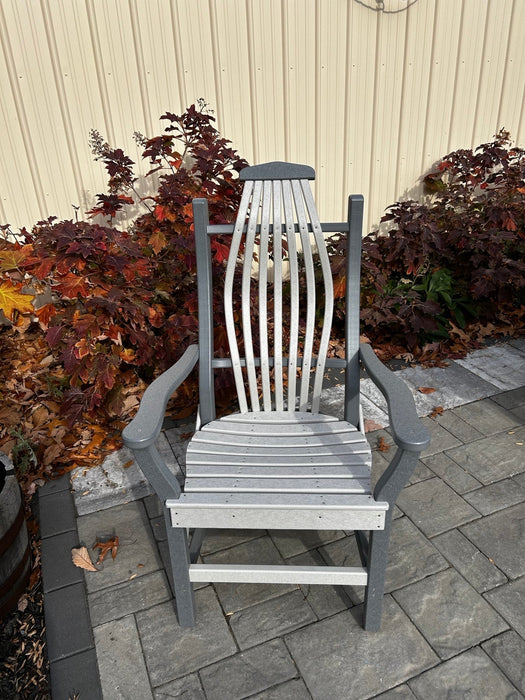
x,y
458,255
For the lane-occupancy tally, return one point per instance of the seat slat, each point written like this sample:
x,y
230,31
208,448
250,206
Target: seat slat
x,y
350,453
285,442
354,467
278,484
276,500
262,470
280,417
279,431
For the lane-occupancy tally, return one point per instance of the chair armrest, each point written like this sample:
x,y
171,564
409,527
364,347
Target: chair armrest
x,y
407,430
145,428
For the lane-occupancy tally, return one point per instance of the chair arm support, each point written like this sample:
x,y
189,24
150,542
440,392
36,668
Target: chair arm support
x,y
407,430
145,428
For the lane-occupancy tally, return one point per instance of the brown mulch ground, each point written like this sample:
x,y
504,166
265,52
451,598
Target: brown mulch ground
x,y
24,667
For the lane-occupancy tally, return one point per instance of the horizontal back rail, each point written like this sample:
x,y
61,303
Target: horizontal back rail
x,y
225,362
226,229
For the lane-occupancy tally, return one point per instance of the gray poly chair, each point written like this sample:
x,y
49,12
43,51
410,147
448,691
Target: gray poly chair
x,y
278,463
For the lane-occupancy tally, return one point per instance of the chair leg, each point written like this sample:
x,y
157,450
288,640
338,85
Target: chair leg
x,y
196,544
180,563
377,561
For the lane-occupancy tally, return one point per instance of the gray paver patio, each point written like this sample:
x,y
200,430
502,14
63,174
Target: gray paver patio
x,y
454,620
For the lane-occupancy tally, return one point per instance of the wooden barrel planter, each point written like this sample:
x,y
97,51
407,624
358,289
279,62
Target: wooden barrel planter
x,y
14,542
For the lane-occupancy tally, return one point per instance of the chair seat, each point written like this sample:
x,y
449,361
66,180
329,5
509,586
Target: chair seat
x,y
291,470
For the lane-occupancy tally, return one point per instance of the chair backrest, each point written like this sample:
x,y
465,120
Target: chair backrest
x,y
284,278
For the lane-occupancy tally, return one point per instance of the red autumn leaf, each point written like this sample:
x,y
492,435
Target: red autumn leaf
x,y
45,313
158,241
110,545
72,286
221,251
382,446
437,411
340,287
426,389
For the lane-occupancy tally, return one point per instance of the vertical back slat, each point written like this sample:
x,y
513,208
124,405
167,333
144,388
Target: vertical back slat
x,y
294,293
328,294
353,277
310,294
205,286
263,294
249,247
278,295
228,294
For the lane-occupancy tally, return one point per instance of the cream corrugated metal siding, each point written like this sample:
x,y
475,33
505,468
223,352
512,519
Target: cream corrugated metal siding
x,y
369,92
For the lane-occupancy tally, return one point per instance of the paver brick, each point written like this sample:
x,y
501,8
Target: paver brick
x,y
187,688
402,692
434,507
324,600
172,651
249,672
57,514
508,652
338,659
62,606
270,619
469,676
486,416
293,542
479,571
58,569
437,606
126,598
440,439
137,552
291,690
458,427
76,676
496,496
237,596
216,540
492,458
511,399
123,672
451,473
509,601
500,537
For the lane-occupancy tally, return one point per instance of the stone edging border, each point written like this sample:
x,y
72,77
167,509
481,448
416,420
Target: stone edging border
x,y
70,644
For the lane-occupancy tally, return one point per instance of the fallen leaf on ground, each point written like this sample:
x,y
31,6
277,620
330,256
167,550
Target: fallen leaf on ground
x,y
382,446
80,557
437,411
426,389
105,547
